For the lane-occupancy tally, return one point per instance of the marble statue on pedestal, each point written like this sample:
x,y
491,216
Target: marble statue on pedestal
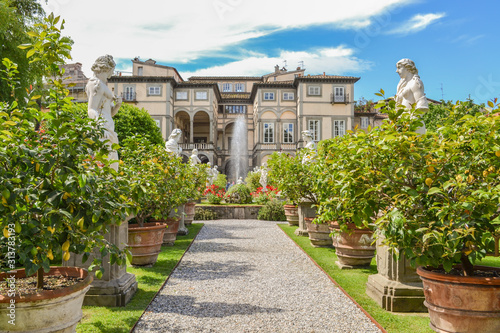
x,y
172,144
102,103
240,181
194,157
215,173
263,177
410,88
310,147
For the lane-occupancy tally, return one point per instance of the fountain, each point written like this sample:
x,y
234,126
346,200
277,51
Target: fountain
x,y
239,149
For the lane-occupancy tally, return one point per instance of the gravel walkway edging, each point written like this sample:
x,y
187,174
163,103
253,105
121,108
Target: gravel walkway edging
x,y
338,285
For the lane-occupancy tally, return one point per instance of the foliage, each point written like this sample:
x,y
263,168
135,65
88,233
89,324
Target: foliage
x,y
292,178
221,180
438,114
59,194
17,20
363,105
435,195
253,180
158,178
197,177
204,214
238,193
215,194
261,197
272,211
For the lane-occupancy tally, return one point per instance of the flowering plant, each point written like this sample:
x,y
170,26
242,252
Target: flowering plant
x,y
214,193
261,197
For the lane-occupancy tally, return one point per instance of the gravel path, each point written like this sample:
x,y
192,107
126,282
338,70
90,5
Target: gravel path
x,y
248,276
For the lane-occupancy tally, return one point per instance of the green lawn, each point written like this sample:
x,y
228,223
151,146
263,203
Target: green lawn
x,y
150,279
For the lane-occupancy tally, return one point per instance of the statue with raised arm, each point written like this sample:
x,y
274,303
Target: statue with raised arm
x,y
310,147
263,177
194,157
172,144
102,103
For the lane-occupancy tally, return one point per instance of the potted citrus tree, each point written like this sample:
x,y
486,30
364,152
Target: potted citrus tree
x,y
158,178
195,180
443,190
59,196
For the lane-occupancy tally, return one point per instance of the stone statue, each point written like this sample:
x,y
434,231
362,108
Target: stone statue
x,y
209,174
172,144
263,177
194,157
215,173
310,147
410,88
240,181
102,103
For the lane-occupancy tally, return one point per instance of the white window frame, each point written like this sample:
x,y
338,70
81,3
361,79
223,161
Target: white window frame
x,y
158,122
314,125
269,96
129,93
179,95
154,91
314,90
227,87
339,128
268,133
364,122
339,94
288,130
239,87
288,96
203,97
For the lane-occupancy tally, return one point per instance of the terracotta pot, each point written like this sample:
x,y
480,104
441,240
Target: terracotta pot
x,y
353,248
292,214
189,211
319,233
462,303
48,310
145,242
171,232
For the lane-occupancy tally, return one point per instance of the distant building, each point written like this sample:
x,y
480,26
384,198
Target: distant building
x,y
74,76
277,107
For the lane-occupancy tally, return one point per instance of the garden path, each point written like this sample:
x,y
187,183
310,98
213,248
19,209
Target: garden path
x,y
248,276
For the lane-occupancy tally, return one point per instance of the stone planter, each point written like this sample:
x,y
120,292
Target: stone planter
x,y
171,233
319,233
354,249
292,214
462,303
189,213
145,242
46,311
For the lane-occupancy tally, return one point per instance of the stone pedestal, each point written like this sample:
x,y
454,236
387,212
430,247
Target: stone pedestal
x,y
396,287
182,227
116,287
305,210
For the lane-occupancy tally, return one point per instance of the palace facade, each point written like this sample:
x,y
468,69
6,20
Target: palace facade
x,y
276,108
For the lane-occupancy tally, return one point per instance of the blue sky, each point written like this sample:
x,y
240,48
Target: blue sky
x,y
454,44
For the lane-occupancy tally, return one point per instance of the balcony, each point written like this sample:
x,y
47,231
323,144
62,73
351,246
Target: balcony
x,y
129,96
339,99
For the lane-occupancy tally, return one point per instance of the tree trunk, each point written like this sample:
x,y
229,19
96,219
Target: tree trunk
x,y
39,278
467,266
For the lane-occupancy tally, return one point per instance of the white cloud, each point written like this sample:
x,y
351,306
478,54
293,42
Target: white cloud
x,y
417,23
333,61
181,31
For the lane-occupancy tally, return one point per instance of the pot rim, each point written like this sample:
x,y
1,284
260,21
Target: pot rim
x,y
426,274
350,226
147,226
50,294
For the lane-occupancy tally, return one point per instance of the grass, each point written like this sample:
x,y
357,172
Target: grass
x,y
354,281
150,280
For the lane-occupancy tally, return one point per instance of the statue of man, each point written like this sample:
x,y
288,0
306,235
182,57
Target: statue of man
x,y
102,103
194,157
263,177
172,144
310,147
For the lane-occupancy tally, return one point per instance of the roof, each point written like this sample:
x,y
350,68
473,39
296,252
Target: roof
x,y
332,78
141,79
226,78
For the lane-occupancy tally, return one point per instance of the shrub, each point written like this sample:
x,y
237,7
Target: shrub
x,y
215,194
239,194
221,181
261,197
272,211
204,214
253,180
